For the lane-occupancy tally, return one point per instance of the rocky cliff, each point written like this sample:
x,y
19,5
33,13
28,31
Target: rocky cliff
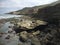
x,y
34,10
28,10
50,11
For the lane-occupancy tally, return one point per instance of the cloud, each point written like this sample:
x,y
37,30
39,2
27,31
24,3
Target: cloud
x,y
23,3
27,3
12,5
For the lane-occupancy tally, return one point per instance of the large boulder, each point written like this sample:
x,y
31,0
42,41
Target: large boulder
x,y
30,23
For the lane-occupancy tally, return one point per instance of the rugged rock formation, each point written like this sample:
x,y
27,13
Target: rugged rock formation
x,y
2,21
43,33
50,12
29,24
40,32
28,10
33,10
48,36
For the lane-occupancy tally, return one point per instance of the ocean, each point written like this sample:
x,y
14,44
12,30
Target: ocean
x,y
5,16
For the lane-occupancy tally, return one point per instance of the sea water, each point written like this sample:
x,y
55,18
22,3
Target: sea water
x,y
5,16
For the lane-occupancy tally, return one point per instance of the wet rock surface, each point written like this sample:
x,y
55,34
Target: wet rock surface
x,y
41,34
2,22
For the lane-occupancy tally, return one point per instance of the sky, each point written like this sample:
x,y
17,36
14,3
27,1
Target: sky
x,y
13,5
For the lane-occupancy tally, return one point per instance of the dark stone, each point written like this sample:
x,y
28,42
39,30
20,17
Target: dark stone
x,y
40,27
22,39
49,43
8,37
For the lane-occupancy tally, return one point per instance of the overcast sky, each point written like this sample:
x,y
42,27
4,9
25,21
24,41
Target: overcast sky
x,y
11,5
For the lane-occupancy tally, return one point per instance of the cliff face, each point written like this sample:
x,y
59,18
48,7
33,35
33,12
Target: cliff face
x,y
50,12
28,10
40,9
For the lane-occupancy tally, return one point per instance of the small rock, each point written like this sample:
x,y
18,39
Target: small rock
x,y
23,36
8,37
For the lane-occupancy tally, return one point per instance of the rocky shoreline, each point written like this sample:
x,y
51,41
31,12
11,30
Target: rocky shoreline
x,y
30,31
2,22
40,33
